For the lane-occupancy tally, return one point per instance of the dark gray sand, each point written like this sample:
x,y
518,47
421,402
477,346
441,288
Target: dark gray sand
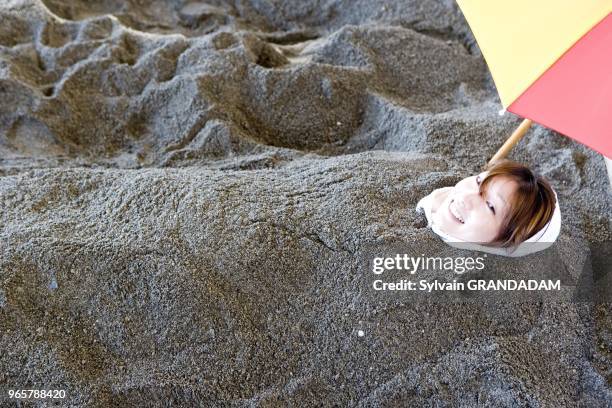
x,y
187,191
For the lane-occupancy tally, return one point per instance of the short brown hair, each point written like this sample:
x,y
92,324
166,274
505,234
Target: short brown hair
x,y
531,207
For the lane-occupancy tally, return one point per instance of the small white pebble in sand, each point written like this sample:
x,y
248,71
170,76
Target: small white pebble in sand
x,y
361,333
338,123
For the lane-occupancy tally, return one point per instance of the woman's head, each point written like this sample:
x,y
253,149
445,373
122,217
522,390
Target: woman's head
x,y
502,206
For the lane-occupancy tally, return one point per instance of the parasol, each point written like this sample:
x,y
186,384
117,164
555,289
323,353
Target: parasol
x,y
551,61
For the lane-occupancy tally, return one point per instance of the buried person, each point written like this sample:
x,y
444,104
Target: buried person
x,y
506,210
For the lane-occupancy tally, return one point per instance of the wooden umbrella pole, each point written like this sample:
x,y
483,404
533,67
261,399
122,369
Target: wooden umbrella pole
x,y
512,140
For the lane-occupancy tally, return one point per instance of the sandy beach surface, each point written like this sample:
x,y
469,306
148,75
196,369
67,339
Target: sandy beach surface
x,y
189,191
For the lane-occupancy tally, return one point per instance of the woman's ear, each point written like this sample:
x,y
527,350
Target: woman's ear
x,y
438,195
440,191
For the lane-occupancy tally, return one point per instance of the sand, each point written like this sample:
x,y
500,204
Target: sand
x,y
189,190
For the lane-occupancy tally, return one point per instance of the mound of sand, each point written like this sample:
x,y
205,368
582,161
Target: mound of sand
x,y
188,191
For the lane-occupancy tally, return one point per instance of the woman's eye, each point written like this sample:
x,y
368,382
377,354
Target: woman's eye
x,y
491,207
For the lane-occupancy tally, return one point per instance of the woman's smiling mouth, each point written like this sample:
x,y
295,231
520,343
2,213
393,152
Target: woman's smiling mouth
x,y
453,211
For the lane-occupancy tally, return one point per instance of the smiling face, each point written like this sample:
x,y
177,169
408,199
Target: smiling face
x,y
465,213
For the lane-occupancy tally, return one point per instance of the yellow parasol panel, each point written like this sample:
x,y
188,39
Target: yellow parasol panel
x,y
521,39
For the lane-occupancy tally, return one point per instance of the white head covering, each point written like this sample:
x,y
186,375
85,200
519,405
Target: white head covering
x,y
544,237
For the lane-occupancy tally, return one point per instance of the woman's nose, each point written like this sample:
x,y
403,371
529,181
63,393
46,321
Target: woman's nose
x,y
468,200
